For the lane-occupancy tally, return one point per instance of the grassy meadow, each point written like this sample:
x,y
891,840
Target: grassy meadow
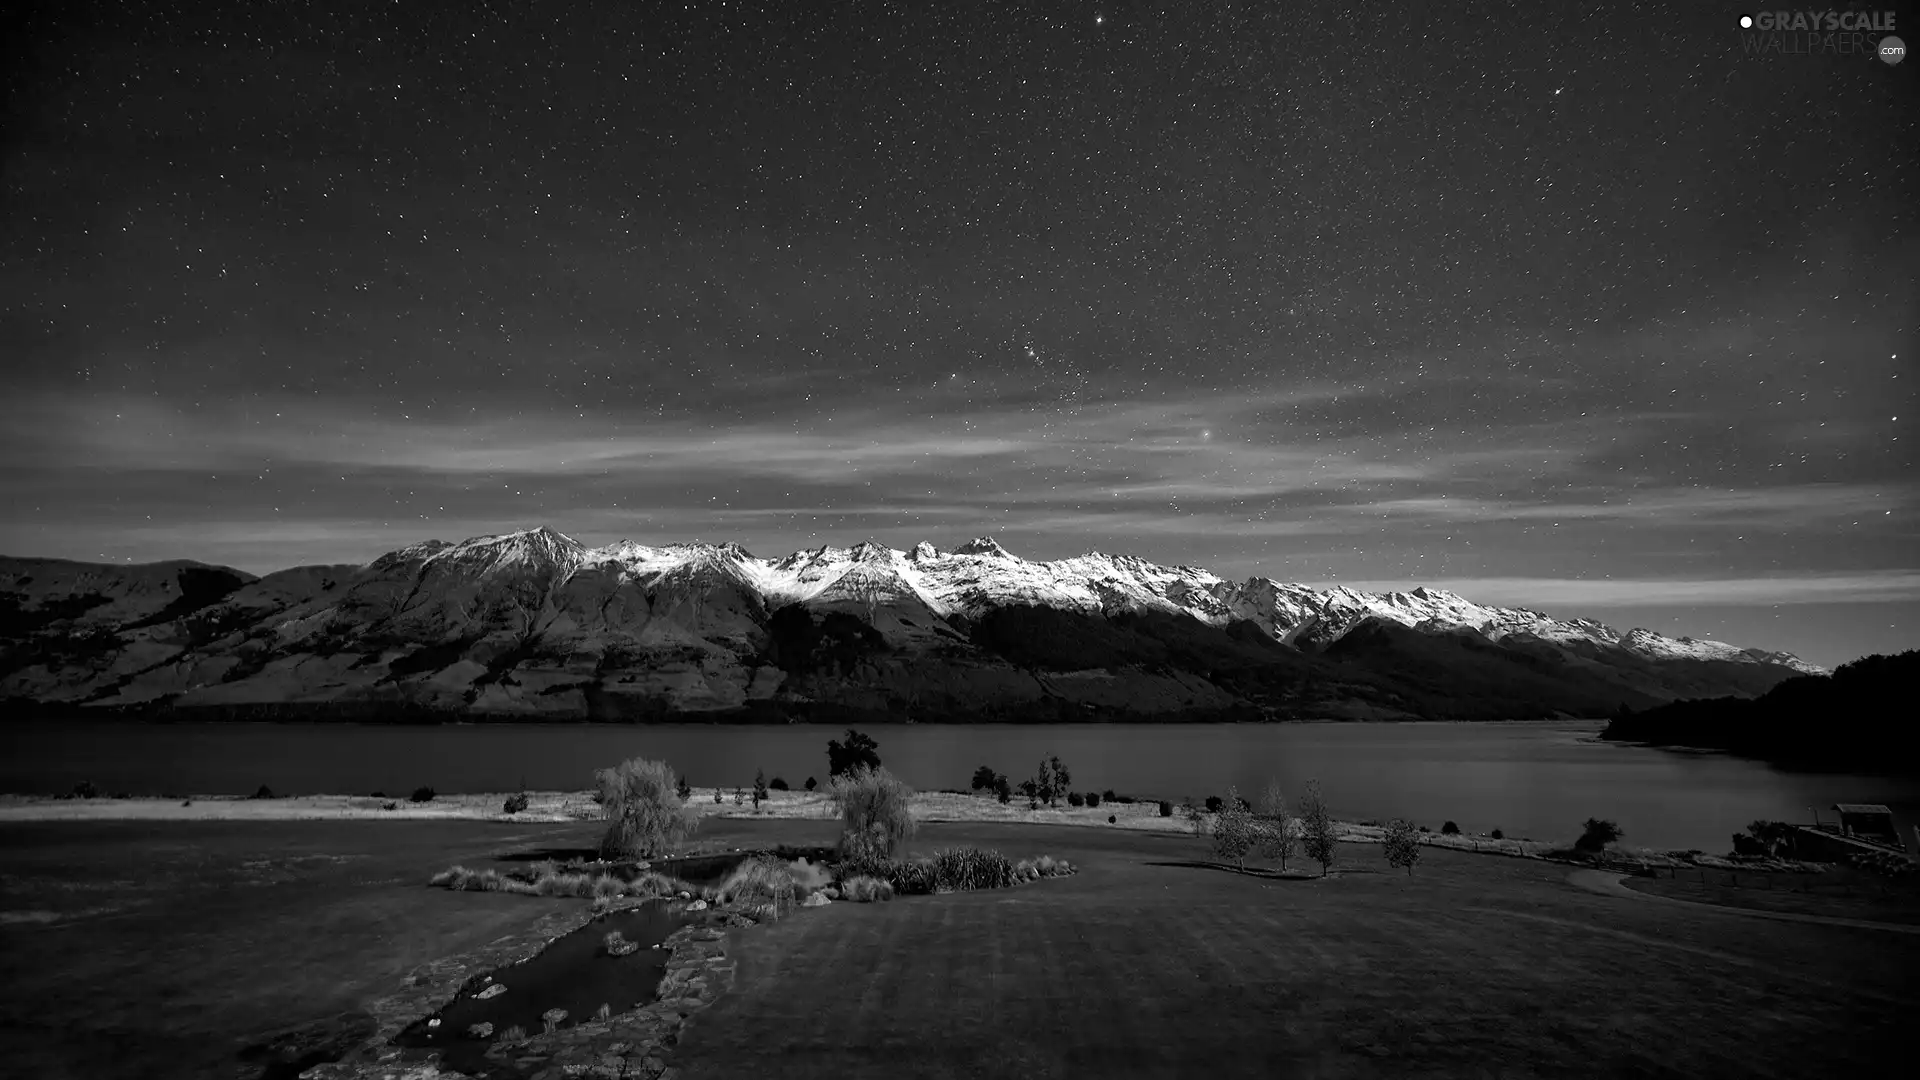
x,y
159,950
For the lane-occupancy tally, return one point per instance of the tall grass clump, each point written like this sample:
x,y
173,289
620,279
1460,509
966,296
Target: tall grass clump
x,y
875,818
971,868
865,890
759,881
646,815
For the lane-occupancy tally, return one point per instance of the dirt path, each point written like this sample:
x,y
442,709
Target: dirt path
x,y
1609,884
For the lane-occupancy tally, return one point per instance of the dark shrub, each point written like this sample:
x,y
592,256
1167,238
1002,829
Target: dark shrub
x,y
1498,835
1004,793
85,790
777,784
516,803
421,794
265,792
1596,835
1111,819
812,783
983,778
683,789
1093,798
1074,798
1449,829
1214,803
1109,796
759,786
1423,828
1166,808
858,750
378,795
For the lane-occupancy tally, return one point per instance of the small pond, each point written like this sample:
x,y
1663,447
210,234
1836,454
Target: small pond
x,y
576,973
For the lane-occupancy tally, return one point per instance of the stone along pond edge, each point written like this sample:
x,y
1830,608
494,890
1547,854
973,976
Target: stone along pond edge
x,y
626,1045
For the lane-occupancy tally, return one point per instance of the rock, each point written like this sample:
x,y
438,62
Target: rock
x,y
816,900
493,991
697,905
829,892
684,895
553,1016
433,1023
482,1030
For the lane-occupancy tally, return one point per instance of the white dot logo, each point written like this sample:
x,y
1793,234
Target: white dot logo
x,y
1892,49
1746,22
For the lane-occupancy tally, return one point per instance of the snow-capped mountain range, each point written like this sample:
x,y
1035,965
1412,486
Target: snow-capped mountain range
x,y
536,622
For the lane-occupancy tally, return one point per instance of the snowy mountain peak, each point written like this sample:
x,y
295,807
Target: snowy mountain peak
x,y
870,551
984,545
923,552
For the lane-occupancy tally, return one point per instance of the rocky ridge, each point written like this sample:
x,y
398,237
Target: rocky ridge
x,y
534,624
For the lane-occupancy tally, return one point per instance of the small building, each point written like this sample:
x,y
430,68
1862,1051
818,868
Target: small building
x,y
1869,821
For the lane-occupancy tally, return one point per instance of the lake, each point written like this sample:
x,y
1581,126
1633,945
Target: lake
x,y
1536,780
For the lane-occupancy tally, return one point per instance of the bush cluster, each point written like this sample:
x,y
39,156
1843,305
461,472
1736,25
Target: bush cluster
x,y
1166,808
421,794
947,871
515,803
1449,829
547,881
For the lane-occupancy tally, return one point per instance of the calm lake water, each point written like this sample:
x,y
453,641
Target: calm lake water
x,y
1537,780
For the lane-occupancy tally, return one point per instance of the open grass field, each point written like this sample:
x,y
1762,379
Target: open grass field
x,y
149,951
1841,891
157,950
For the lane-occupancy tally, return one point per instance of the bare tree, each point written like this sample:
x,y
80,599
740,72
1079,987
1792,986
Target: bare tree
x,y
1316,827
1275,837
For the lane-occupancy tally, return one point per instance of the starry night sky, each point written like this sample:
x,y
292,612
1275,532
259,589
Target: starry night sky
x,y
1586,311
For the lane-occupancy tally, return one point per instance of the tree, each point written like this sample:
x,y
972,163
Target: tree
x,y
858,750
645,813
875,812
1233,831
1402,844
1061,778
1276,833
683,789
1002,790
759,787
1596,835
811,783
1031,789
983,778
1316,827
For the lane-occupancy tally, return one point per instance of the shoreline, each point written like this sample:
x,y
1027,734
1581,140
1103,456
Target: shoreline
x,y
554,807
928,807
